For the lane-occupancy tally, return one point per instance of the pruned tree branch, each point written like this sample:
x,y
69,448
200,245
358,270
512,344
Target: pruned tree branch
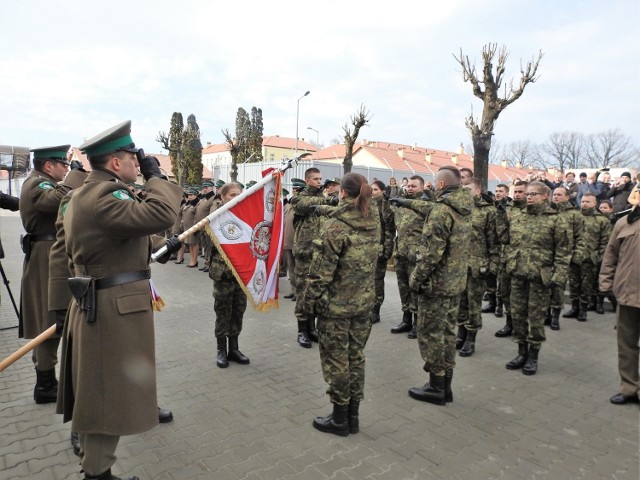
x,y
358,120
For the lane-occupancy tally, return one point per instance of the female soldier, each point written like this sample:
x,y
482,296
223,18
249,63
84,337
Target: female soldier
x,y
230,302
188,220
340,291
387,236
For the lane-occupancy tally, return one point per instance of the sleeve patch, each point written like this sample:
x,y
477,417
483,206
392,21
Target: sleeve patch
x,y
45,186
122,195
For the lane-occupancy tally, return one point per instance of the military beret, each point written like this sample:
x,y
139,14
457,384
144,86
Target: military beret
x,y
285,192
207,184
58,153
114,139
298,183
220,183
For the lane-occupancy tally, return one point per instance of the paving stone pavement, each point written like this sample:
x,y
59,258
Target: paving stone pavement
x,y
254,422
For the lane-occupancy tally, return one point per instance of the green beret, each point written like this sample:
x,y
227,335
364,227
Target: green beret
x,y
114,139
219,183
58,152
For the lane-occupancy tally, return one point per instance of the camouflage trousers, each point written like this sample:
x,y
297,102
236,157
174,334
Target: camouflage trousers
x,y
341,343
381,271
504,289
583,281
301,270
491,284
407,296
469,312
437,331
229,304
529,303
557,296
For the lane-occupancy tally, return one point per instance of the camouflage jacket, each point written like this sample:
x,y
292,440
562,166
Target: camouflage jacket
x,y
484,249
540,245
341,277
387,226
575,222
409,224
305,222
443,250
595,234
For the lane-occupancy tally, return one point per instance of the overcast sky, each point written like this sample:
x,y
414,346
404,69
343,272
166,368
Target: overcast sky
x,y
70,69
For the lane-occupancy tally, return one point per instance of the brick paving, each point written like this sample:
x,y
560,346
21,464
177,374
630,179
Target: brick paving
x,y
254,422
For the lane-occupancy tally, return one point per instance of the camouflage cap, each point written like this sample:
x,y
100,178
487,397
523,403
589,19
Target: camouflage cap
x,y
58,153
114,139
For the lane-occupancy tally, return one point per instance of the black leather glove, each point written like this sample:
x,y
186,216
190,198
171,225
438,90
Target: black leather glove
x,y
59,324
335,200
76,165
397,202
150,167
173,244
634,215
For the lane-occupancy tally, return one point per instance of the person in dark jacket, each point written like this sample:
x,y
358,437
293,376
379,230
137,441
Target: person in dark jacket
x,y
620,191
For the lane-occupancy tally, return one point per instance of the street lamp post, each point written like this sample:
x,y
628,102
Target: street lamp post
x,y
295,155
317,136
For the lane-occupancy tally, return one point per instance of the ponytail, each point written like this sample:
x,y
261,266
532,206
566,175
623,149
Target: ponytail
x,y
355,186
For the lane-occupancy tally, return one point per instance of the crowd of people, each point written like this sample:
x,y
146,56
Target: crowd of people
x,y
451,244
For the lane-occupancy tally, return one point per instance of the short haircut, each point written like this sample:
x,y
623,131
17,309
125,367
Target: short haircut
x,y
465,169
477,183
503,185
309,171
419,178
589,194
517,183
449,175
567,192
540,187
608,202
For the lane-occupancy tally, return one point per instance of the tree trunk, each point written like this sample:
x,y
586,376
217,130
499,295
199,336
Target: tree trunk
x,y
481,148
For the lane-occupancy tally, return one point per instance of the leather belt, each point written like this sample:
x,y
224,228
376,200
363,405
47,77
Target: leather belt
x,y
42,238
122,278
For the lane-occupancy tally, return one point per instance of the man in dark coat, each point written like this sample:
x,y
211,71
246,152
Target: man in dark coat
x,y
108,378
39,202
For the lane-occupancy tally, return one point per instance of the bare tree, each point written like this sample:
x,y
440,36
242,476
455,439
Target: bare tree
x,y
359,120
234,150
173,143
563,150
609,149
521,153
487,88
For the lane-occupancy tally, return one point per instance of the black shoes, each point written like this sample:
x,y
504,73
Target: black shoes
x,y
336,422
413,334
555,319
431,392
507,330
491,306
303,336
461,336
573,311
499,312
469,345
375,313
621,399
582,313
221,360
164,415
108,476
234,354
354,419
46,389
405,325
518,362
291,295
531,365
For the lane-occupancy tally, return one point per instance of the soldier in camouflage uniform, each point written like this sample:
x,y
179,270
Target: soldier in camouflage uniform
x,y
387,238
595,235
339,289
438,278
512,207
561,198
409,224
307,228
202,210
537,258
483,260
230,301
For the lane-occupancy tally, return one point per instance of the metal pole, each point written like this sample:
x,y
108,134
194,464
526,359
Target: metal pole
x,y
317,137
295,153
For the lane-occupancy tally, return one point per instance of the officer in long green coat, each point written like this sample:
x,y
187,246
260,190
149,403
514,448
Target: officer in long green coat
x,y
108,378
39,202
339,289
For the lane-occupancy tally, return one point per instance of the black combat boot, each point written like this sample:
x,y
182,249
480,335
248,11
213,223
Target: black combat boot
x,y
600,304
414,328
531,366
405,324
555,319
499,308
518,362
354,416
108,476
461,336
221,359
573,312
507,330
303,336
236,355
448,377
612,299
469,344
336,422
313,333
591,306
582,313
547,318
491,306
431,392
46,389
375,313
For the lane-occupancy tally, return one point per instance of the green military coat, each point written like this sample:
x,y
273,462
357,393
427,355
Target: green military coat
x,y
108,377
39,202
